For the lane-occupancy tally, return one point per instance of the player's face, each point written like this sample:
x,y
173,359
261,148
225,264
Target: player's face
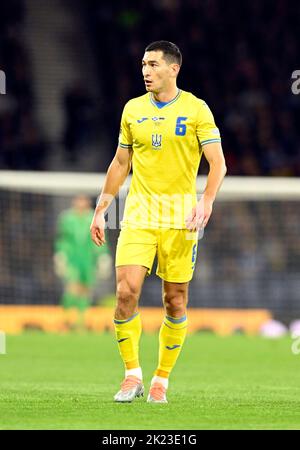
x,y
81,203
157,73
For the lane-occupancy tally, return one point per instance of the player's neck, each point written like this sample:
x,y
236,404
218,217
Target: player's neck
x,y
166,96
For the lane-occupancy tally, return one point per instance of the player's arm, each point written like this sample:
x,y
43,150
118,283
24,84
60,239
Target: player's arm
x,y
115,177
217,170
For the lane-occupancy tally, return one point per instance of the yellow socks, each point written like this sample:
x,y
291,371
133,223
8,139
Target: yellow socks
x,y
128,333
171,338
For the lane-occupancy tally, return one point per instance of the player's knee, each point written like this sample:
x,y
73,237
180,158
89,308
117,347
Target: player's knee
x,y
127,299
175,303
127,293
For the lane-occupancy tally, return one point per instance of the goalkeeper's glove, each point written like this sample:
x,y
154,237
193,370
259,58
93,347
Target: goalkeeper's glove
x,y
60,264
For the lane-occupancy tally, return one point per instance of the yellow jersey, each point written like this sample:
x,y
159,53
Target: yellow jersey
x,y
167,140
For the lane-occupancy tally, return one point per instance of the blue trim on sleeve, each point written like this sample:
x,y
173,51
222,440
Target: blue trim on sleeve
x,y
208,141
125,145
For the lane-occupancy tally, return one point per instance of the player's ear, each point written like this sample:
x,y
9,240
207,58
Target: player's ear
x,y
174,69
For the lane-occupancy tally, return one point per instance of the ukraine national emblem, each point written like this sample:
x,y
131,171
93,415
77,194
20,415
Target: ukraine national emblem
x,y
156,141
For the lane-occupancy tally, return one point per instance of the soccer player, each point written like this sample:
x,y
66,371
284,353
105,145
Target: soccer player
x,y
163,135
76,259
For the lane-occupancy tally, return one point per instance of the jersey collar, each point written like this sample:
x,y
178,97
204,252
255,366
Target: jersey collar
x,y
162,104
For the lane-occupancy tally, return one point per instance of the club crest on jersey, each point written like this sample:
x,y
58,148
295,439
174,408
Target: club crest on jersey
x,y
156,141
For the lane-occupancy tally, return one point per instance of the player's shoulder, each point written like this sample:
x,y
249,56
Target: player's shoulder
x,y
66,214
194,100
136,102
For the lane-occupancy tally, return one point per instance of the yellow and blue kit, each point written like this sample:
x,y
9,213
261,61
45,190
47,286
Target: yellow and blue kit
x,y
167,142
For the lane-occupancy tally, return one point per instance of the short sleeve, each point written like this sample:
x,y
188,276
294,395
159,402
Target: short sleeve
x,y
125,137
206,128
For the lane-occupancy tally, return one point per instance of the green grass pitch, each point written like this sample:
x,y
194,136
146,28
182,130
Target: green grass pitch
x,y
68,381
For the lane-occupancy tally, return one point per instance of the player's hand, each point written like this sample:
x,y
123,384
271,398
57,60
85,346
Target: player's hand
x,y
97,228
200,214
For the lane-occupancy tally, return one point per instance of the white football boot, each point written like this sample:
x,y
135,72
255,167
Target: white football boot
x,y
131,388
157,393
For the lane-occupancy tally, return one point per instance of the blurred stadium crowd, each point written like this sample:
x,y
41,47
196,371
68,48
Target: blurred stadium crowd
x,y
238,56
21,143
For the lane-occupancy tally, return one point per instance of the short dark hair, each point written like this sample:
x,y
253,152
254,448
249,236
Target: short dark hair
x,y
171,52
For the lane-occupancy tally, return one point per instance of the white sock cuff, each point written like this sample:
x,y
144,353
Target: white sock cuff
x,y
161,380
137,372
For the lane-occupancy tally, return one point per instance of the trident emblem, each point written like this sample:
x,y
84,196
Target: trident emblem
x,y
156,140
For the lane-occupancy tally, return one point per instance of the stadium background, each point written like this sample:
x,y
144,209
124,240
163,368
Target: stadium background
x,y
70,67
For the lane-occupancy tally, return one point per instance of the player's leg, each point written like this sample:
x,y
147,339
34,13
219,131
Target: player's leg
x,y
83,302
171,337
134,258
78,292
68,299
84,297
75,303
86,281
176,261
128,328
70,279
127,319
